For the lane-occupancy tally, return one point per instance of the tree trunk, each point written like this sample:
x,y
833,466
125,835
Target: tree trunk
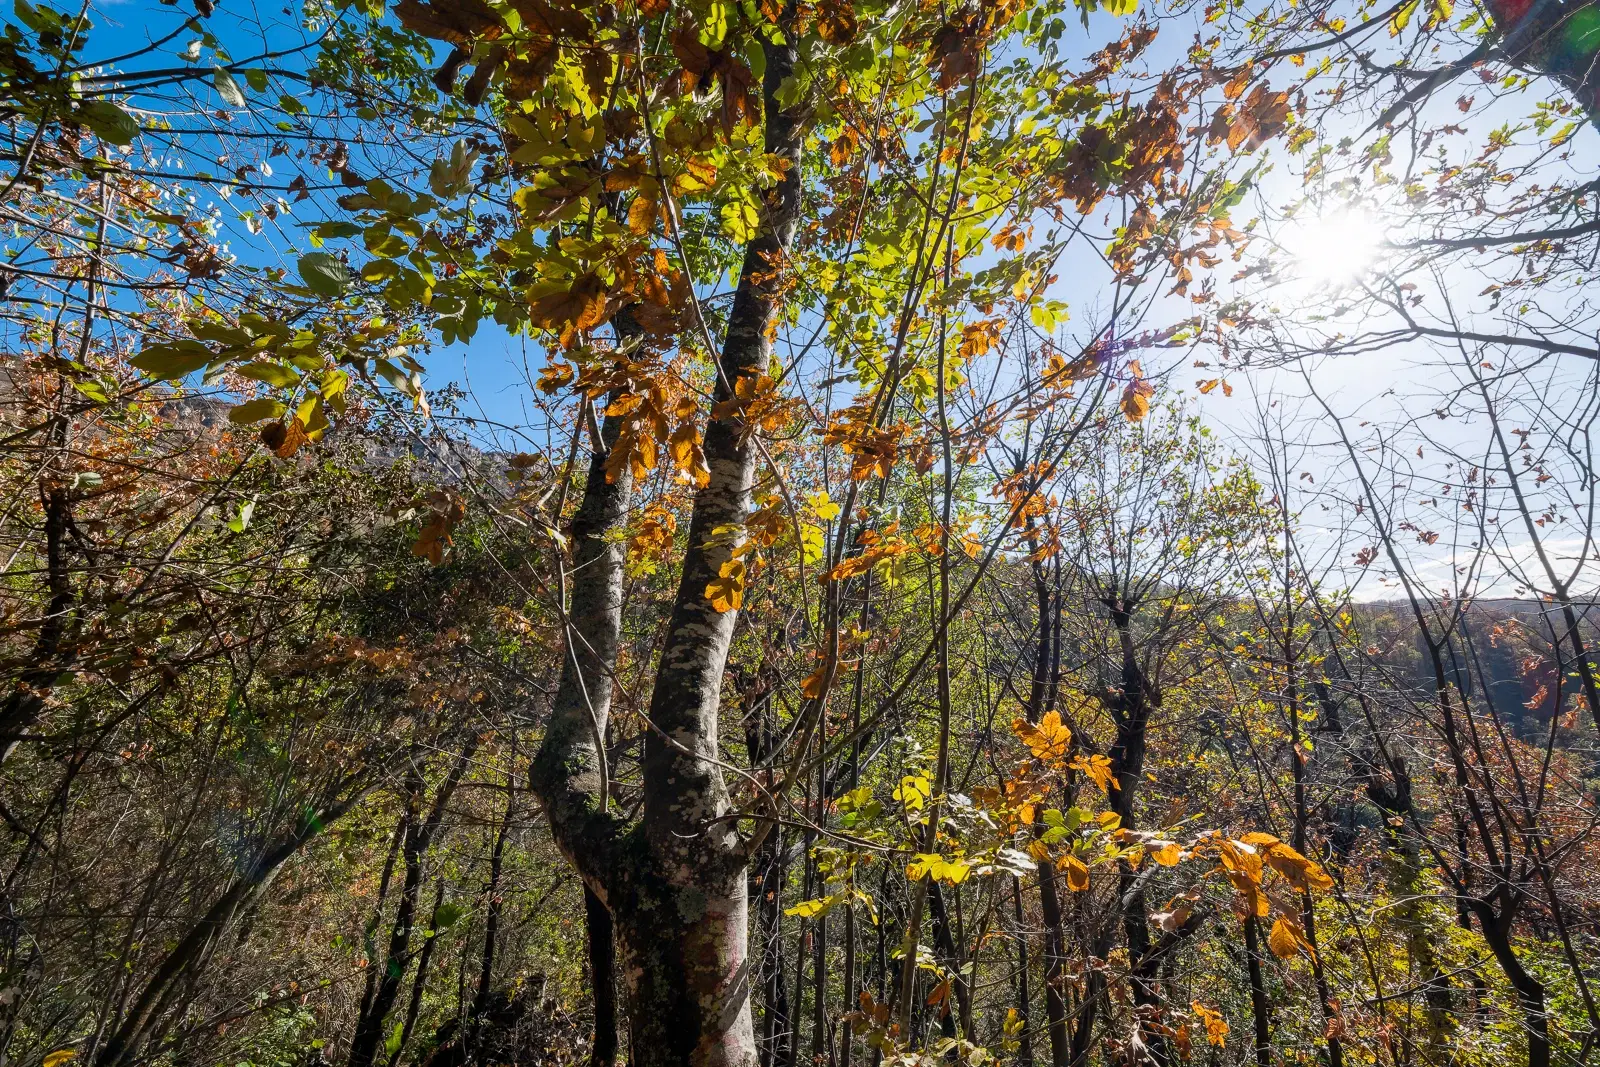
x,y
368,1035
1529,990
419,984
1259,1011
1041,693
1132,716
603,976
491,922
676,884
1024,1037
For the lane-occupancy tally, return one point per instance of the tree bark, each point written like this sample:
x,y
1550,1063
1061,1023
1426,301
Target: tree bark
x,y
676,884
603,977
368,1035
1260,1012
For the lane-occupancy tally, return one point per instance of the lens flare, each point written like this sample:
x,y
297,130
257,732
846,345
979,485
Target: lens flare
x,y
1332,250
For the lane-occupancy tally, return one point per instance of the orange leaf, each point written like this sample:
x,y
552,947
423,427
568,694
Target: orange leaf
x,y
726,591
1077,874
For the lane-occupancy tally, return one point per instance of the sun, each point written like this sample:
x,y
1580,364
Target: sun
x,y
1332,250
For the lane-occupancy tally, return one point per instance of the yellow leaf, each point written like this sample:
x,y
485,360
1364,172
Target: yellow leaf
x,y
1216,1025
1049,740
810,909
1098,768
642,215
684,444
1168,853
913,792
1302,873
1077,874
726,592
60,1056
1402,18
1287,939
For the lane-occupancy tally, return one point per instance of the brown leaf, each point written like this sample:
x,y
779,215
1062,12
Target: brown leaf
x,y
580,308
836,22
284,439
642,215
1261,117
455,21
549,20
1136,399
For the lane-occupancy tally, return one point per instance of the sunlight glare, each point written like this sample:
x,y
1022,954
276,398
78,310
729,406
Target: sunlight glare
x,y
1333,249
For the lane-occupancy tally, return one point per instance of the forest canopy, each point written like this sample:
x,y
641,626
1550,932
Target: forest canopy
x,y
749,533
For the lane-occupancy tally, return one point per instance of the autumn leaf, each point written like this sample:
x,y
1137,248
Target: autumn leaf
x,y
1402,18
726,591
642,215
1287,939
284,439
457,21
811,909
1077,873
978,337
1049,740
1216,1025
1261,116
814,684
1166,853
1302,873
554,377
1098,768
836,22
1136,398
567,311
446,510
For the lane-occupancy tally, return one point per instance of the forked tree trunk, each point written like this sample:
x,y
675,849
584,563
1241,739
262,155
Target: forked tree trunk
x,y
676,883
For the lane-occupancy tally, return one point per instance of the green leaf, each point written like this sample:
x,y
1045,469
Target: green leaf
x,y
810,909
257,79
170,362
109,122
272,373
93,390
380,241
227,87
324,274
330,231
257,410
447,915
241,521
